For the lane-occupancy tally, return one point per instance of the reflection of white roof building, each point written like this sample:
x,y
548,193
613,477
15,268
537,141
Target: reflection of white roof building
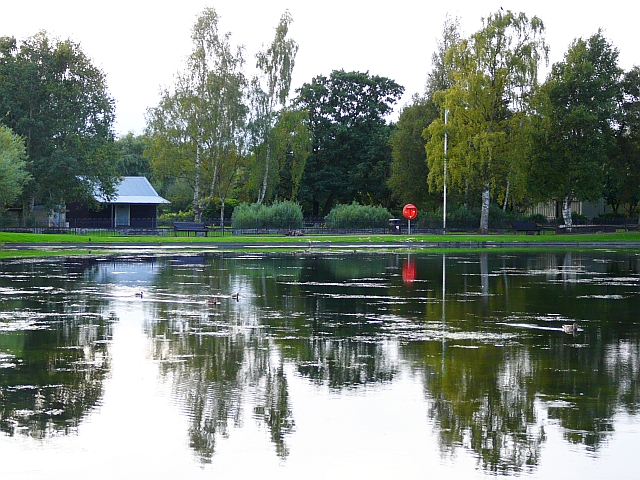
x,y
122,273
134,205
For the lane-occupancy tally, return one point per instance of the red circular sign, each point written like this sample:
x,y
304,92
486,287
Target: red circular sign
x,y
410,211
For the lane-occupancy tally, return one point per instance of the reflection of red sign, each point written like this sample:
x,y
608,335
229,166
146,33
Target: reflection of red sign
x,y
410,211
409,272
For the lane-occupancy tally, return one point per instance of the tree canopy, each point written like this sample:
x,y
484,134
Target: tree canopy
x,y
13,168
494,73
218,134
197,129
271,90
408,172
622,172
351,156
131,160
57,100
574,131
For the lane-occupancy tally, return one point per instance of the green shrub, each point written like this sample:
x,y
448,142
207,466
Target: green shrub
x,y
579,219
176,217
285,215
357,216
457,217
537,217
429,219
612,218
249,216
212,212
468,219
611,215
279,215
499,218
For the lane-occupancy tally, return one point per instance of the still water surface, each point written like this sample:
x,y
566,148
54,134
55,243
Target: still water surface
x,y
326,366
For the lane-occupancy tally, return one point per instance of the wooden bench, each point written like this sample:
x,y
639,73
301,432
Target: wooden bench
x,y
528,226
190,227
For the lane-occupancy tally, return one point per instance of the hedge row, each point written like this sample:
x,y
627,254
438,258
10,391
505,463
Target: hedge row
x,y
285,215
357,216
470,218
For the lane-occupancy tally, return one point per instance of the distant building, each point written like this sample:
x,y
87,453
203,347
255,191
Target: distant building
x,y
553,209
135,205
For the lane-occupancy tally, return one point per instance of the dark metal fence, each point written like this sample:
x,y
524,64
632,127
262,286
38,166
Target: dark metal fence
x,y
107,223
94,226
311,226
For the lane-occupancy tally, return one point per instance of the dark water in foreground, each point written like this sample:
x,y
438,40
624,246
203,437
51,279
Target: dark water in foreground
x,y
326,366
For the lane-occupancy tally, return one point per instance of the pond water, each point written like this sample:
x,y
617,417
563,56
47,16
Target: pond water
x,y
343,365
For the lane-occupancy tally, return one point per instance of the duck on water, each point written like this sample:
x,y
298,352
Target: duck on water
x,y
571,329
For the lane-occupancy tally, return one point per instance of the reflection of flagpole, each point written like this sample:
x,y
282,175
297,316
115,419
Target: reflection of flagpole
x,y
444,318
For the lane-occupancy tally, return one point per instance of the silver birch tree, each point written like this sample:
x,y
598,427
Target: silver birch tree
x,y
495,70
201,121
271,92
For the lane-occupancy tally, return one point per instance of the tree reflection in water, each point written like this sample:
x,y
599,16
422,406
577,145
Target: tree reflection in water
x,y
214,369
53,348
492,383
497,369
494,396
483,399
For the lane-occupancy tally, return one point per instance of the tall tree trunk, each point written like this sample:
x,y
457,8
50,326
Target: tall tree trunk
x,y
566,212
484,216
506,197
62,214
327,205
263,188
222,216
214,178
466,195
197,211
29,210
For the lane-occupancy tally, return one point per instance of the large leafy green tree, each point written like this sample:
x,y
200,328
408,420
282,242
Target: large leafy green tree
x,y
351,156
622,170
574,135
57,100
13,168
197,129
409,172
494,72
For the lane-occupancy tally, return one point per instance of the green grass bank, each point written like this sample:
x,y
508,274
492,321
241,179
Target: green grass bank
x,y
34,245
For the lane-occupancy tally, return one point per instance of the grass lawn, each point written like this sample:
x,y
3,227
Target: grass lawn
x,y
37,253
9,238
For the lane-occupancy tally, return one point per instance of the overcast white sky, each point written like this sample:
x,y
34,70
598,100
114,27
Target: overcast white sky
x,y
140,45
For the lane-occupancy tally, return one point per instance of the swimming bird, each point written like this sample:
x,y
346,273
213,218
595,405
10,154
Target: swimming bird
x,y
139,294
572,329
235,296
213,301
